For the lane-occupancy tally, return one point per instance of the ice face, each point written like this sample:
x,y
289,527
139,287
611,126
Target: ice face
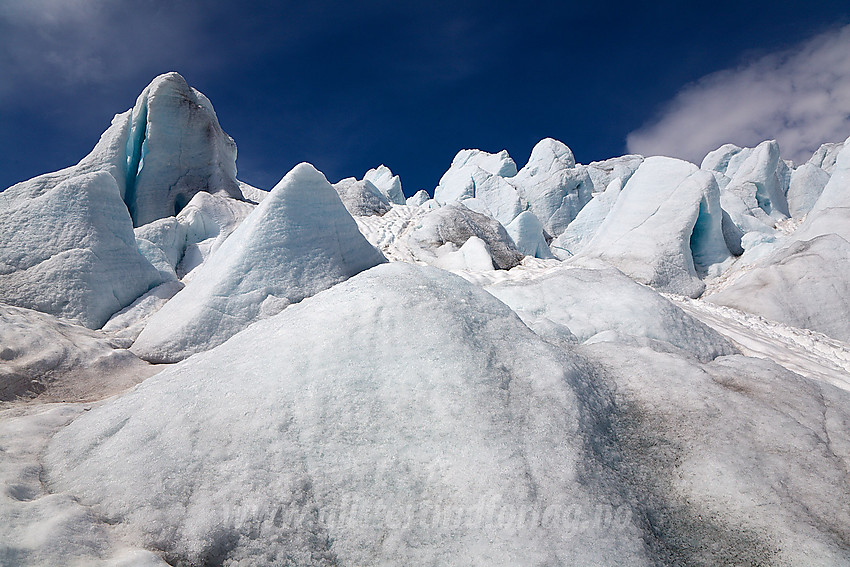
x,y
666,224
526,231
297,242
387,183
175,149
553,186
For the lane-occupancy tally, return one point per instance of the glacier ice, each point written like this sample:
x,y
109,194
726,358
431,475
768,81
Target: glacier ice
x,y
340,410
480,175
806,185
582,229
418,198
298,241
664,227
527,232
553,186
388,184
802,279
175,148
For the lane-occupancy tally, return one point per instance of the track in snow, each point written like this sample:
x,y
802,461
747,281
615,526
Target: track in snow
x,y
805,352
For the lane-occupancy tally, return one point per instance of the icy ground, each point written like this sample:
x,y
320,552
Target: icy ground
x,y
638,361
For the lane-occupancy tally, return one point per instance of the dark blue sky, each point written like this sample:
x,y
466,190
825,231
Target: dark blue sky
x,y
347,86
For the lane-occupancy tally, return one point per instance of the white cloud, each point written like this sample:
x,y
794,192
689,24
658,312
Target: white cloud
x,y
800,97
57,45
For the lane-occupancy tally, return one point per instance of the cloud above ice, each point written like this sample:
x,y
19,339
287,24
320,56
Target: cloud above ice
x,y
800,97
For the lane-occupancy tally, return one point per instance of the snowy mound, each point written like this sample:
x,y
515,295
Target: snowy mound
x,y
598,304
39,352
665,225
339,441
297,242
70,251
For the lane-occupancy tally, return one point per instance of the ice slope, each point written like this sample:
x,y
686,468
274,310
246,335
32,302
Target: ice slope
x,y
664,227
297,242
404,416
804,284
738,461
70,251
40,354
598,303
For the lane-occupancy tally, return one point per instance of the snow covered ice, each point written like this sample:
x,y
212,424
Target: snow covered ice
x,y
636,361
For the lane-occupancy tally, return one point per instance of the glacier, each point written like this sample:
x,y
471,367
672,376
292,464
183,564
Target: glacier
x,y
633,361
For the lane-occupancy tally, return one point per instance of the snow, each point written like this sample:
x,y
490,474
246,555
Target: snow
x,y
43,355
297,242
527,233
361,198
343,411
805,352
664,226
387,183
599,302
70,251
